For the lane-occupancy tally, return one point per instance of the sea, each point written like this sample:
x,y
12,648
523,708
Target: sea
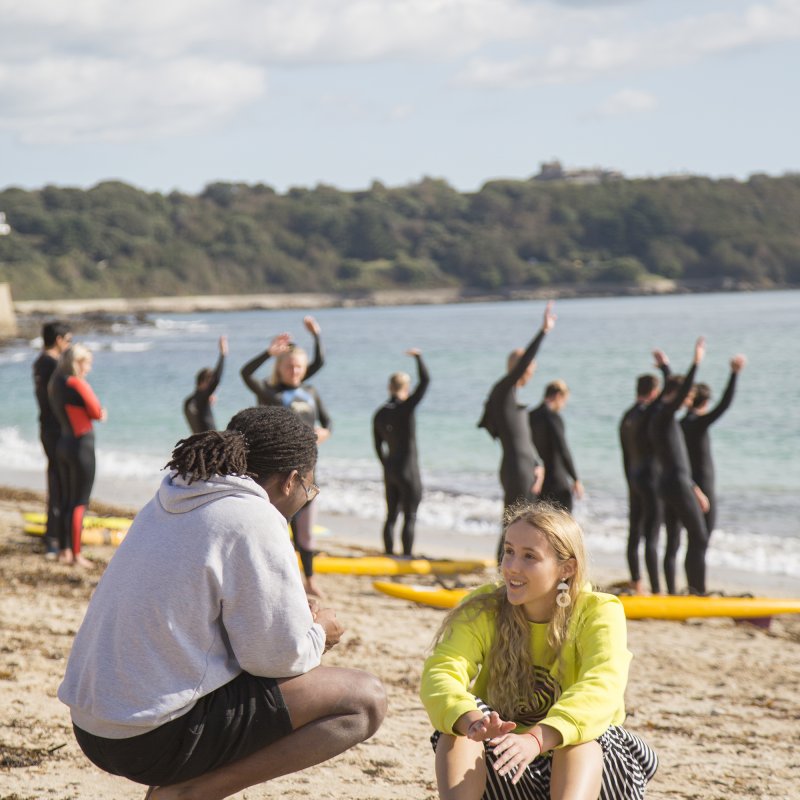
x,y
143,369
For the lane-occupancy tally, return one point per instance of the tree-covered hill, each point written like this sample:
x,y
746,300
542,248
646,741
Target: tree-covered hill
x,y
114,240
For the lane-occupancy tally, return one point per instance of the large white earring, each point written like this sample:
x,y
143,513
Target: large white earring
x,y
562,598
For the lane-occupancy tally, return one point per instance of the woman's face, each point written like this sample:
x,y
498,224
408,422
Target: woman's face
x,y
84,366
292,369
531,571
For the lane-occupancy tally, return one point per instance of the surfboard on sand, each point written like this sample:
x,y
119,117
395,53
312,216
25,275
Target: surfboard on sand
x,y
89,521
636,607
385,565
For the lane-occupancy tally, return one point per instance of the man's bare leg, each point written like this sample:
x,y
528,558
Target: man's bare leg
x,y
332,709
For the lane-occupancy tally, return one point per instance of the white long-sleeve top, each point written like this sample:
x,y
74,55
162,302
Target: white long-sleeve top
x,y
205,585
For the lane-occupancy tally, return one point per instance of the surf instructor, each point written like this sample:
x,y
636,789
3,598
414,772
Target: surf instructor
x,y
521,475
197,670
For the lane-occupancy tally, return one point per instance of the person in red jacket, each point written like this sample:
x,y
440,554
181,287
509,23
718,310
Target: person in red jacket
x,y
75,406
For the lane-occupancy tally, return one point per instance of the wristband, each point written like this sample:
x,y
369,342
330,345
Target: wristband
x,y
538,741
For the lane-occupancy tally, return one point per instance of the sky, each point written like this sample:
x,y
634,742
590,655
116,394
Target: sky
x,y
176,94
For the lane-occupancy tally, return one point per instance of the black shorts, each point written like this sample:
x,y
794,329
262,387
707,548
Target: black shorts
x,y
237,719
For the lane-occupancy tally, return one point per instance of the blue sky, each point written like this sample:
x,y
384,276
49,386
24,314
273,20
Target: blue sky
x,y
175,94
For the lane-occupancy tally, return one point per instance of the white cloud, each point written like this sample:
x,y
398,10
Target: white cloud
x,y
625,103
104,70
684,41
97,99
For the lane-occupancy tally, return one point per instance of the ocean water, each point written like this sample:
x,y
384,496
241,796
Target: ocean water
x,y
143,371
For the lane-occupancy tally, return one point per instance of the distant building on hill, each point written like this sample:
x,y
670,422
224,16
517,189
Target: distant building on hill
x,y
5,228
554,171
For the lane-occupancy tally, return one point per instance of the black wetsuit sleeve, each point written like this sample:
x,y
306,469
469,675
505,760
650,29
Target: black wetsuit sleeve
x,y
561,444
322,413
723,405
249,368
217,376
686,387
422,386
319,358
518,370
377,438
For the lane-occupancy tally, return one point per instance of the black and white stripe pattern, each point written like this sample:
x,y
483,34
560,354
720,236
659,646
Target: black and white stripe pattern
x,y
628,764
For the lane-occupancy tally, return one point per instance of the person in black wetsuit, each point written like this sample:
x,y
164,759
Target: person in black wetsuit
x,y
684,503
641,473
695,427
56,338
394,434
286,387
197,407
248,370
76,406
521,475
547,430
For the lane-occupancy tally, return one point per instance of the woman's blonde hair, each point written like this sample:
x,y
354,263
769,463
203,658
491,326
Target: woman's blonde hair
x,y
294,350
510,662
71,357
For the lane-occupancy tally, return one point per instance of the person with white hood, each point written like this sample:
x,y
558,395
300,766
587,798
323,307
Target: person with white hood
x,y
196,670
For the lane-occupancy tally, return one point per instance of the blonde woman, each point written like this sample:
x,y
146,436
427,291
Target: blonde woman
x,y
526,680
286,387
75,406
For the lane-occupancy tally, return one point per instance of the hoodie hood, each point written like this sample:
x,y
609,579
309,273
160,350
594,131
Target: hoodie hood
x,y
177,496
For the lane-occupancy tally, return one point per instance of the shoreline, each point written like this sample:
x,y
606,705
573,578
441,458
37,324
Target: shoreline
x,y
187,304
352,533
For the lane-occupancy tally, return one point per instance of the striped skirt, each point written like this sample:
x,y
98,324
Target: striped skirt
x,y
628,764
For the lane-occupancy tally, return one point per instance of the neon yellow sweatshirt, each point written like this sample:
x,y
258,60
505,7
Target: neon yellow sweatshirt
x,y
580,703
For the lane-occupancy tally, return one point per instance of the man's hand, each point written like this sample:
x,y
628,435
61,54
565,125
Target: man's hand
x,y
326,617
549,317
223,345
312,326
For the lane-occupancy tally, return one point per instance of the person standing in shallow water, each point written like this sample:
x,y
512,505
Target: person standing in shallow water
x,y
684,502
76,406
521,474
286,387
197,669
56,338
395,438
197,407
550,440
695,426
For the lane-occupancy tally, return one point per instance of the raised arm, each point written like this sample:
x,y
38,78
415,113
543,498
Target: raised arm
x,y
737,365
312,326
688,381
518,370
424,379
217,376
278,345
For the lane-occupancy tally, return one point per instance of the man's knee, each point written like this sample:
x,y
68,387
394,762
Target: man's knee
x,y
372,701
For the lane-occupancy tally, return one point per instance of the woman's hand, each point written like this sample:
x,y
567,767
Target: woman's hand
x,y
323,434
513,752
488,727
280,344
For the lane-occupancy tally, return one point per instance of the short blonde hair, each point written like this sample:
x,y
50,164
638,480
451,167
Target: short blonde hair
x,y
71,357
398,381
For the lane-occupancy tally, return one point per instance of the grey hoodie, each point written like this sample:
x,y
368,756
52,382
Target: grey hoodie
x,y
205,585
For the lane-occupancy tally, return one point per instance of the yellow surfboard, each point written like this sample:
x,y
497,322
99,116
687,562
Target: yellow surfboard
x,y
653,607
385,565
89,521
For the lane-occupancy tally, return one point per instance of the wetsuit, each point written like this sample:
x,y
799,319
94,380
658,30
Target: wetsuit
x,y
197,407
507,421
698,443
75,405
49,432
306,403
256,385
394,433
550,441
680,502
644,503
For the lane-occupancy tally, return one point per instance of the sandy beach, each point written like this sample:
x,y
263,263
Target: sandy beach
x,y
718,701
